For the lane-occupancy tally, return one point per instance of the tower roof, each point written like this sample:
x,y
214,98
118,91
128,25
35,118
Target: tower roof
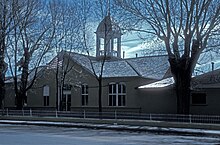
x,y
108,25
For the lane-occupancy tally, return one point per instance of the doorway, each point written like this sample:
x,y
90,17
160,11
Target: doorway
x,y
66,101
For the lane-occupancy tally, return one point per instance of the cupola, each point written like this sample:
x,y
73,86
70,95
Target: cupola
x,y
108,38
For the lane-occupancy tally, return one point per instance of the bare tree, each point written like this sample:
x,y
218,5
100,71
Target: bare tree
x,y
184,26
106,30
85,44
67,40
3,29
6,13
28,44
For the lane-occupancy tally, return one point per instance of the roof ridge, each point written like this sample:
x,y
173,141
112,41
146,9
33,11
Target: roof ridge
x,y
89,56
146,57
80,64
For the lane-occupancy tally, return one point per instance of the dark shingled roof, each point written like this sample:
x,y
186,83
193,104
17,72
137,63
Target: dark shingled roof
x,y
153,67
207,80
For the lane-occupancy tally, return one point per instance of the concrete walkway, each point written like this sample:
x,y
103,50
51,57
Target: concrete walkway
x,y
119,125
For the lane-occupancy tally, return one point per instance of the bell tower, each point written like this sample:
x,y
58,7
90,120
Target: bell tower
x,y
108,38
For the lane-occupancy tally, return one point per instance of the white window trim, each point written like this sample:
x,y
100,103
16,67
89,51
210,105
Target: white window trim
x,y
84,94
117,94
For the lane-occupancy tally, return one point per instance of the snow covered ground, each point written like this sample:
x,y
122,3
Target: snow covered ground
x,y
42,135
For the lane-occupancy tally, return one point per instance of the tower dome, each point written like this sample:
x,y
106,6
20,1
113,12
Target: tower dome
x,y
108,38
108,25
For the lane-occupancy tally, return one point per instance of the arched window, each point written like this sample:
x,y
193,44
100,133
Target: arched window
x,y
117,94
46,94
85,94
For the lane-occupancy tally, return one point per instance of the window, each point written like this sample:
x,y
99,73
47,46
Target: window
x,y
66,98
66,101
84,92
117,94
46,94
198,98
46,100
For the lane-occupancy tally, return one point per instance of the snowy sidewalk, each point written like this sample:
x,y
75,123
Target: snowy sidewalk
x,y
117,127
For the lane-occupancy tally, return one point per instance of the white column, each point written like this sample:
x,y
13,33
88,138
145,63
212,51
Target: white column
x,y
97,45
119,47
112,46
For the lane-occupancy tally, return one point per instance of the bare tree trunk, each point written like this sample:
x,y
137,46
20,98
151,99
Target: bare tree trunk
x,y
2,68
24,79
100,96
181,73
57,90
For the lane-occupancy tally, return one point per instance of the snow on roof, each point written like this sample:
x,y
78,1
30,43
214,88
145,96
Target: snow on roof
x,y
207,80
154,67
115,69
82,60
159,84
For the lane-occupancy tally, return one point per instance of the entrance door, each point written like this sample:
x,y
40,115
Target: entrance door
x,y
66,101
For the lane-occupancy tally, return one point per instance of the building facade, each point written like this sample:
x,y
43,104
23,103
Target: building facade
x,y
69,82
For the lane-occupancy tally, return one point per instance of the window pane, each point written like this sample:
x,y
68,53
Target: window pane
x,y
110,89
114,100
86,99
119,100
84,94
123,100
119,88
110,100
46,91
114,88
83,100
47,100
124,88
44,100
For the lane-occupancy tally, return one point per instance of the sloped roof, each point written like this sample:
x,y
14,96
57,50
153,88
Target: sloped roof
x,y
207,80
108,25
115,69
31,75
153,67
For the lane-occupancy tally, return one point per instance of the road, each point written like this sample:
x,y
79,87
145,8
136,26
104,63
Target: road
x,y
42,135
